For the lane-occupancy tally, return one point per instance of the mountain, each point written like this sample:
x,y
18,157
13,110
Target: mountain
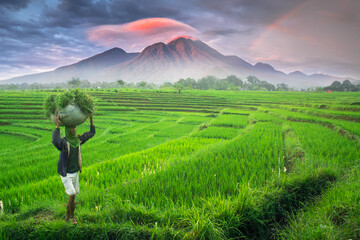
x,y
238,61
106,59
160,62
83,69
298,74
264,67
181,57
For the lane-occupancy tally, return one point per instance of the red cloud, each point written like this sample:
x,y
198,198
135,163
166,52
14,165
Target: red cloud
x,y
139,33
154,24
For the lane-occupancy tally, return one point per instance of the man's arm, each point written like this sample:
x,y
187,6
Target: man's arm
x,y
56,139
87,135
91,120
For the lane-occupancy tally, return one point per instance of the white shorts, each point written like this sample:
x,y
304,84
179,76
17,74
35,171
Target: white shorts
x,y
71,183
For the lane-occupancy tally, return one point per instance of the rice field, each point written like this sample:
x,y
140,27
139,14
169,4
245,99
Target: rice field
x,y
196,165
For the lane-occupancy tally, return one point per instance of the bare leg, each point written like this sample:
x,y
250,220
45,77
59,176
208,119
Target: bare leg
x,y
72,208
68,209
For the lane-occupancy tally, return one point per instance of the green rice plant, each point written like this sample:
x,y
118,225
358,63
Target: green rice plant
x,y
350,126
227,120
8,140
217,132
83,101
194,119
104,175
214,171
330,154
334,216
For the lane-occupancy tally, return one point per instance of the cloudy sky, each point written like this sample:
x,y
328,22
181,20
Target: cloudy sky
x,y
313,36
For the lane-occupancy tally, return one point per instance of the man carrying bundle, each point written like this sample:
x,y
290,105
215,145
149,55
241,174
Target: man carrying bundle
x,y
70,161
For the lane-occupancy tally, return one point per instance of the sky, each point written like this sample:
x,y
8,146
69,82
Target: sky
x,y
312,36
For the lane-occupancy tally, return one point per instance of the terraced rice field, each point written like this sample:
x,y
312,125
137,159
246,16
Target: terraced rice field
x,y
196,165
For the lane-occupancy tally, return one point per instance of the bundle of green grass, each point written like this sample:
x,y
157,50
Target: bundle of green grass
x,y
73,107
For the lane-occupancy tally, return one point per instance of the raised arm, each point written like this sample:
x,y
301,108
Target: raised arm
x,y
87,135
91,120
56,139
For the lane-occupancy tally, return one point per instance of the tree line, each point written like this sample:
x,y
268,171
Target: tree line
x,y
345,86
77,83
232,82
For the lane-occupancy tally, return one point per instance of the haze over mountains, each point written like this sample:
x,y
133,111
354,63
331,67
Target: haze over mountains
x,y
182,57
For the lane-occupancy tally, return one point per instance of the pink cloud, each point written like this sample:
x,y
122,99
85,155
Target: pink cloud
x,y
139,34
267,59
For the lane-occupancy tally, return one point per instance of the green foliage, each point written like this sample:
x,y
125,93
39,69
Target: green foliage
x,y
81,99
282,87
346,85
231,82
142,84
84,101
50,105
178,86
74,82
65,99
120,82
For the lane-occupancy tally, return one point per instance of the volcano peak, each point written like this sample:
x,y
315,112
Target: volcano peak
x,y
182,37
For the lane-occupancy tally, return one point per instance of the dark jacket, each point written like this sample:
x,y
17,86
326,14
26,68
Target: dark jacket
x,y
63,145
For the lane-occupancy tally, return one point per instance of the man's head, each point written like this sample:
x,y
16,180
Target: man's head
x,y
70,134
73,130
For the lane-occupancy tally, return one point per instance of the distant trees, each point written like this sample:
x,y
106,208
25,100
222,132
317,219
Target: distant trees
x,y
319,89
74,82
252,83
141,84
346,85
178,86
166,85
234,81
85,84
13,87
188,83
268,86
256,84
336,86
120,82
58,86
206,83
282,87
231,82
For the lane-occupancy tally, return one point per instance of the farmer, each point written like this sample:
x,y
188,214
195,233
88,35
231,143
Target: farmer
x,y
70,161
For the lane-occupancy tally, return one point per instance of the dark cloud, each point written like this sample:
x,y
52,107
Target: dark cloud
x,y
14,4
226,32
72,13
91,13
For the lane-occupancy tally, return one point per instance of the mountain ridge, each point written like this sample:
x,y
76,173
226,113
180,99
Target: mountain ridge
x,y
181,57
